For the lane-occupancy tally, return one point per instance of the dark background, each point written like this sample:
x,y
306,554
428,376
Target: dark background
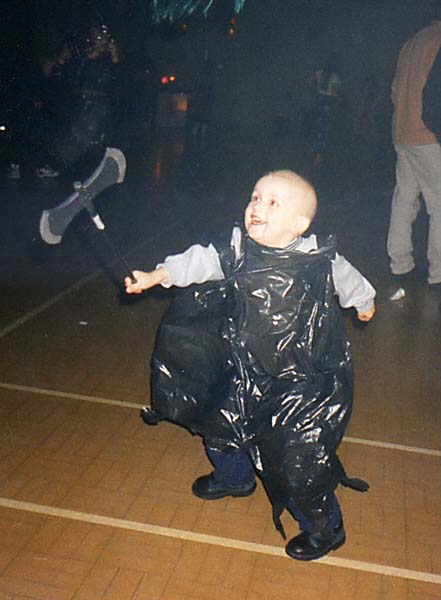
x,y
275,46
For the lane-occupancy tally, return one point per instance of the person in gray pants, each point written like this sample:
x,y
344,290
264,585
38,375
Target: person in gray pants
x,y
418,167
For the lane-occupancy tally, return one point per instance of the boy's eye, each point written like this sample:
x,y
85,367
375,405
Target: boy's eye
x,y
254,198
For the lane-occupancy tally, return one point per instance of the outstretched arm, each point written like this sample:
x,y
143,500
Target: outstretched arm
x,y
145,280
196,265
353,289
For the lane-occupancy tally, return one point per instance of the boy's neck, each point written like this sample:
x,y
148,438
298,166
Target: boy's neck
x,y
294,243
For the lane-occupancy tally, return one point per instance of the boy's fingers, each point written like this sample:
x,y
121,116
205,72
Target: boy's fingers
x,y
131,283
130,286
367,315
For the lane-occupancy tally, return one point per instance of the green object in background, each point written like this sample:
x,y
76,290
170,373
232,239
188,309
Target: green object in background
x,y
173,10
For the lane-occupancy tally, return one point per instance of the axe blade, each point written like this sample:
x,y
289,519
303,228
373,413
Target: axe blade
x,y
54,221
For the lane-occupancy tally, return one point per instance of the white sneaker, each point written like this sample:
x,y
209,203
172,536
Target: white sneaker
x,y
46,171
14,171
398,294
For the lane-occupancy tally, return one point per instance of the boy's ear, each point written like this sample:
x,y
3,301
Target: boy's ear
x,y
300,225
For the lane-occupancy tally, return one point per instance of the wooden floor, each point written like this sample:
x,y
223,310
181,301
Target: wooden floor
x,y
94,505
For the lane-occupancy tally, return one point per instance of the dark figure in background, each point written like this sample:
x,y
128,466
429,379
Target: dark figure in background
x,y
371,125
32,123
328,83
200,107
418,164
89,74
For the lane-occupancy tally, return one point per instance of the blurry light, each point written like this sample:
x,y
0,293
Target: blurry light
x,y
180,103
158,170
2,127
172,78
184,26
164,80
232,21
231,31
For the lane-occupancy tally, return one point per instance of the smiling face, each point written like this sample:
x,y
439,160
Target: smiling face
x,y
281,208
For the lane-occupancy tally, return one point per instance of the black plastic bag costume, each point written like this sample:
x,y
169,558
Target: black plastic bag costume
x,y
260,362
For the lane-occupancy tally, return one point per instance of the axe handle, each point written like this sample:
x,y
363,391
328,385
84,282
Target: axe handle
x,y
90,207
118,254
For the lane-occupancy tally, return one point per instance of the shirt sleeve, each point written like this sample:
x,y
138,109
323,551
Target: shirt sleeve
x,y
394,87
351,287
197,264
431,99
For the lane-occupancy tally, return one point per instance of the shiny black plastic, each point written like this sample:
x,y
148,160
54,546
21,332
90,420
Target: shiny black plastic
x,y
260,362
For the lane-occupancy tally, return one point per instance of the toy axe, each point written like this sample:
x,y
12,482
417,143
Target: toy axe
x,y
54,221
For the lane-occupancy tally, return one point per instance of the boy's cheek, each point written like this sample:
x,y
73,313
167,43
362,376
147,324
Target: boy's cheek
x,y
247,220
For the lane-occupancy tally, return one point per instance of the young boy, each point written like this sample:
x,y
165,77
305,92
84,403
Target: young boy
x,y
257,362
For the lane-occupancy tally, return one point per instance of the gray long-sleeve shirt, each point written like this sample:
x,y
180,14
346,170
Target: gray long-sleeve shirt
x,y
199,264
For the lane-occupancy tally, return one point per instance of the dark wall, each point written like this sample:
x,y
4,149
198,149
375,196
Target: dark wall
x,y
266,68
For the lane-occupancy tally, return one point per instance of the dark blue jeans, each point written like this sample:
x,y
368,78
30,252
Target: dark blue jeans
x,y
236,468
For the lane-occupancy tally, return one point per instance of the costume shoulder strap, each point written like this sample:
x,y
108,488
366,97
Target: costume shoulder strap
x,y
230,248
326,244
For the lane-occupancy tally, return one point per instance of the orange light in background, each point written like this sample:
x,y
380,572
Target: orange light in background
x,y
180,103
231,32
172,78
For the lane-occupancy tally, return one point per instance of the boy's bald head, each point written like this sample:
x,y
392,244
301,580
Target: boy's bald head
x,y
282,207
304,192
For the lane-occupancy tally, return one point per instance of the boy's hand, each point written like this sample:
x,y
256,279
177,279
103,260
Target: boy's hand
x,y
367,315
145,280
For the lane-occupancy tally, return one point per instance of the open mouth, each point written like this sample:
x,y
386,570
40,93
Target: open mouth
x,y
257,221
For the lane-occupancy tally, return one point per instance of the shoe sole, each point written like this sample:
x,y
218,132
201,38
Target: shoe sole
x,y
306,557
238,494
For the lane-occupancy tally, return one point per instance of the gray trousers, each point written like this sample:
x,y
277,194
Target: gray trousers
x,y
418,171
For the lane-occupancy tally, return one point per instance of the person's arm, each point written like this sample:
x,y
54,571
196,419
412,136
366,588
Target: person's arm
x,y
432,99
198,264
144,280
394,86
113,50
65,55
335,85
353,289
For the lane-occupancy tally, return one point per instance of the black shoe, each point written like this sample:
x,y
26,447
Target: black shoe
x,y
308,546
149,416
209,488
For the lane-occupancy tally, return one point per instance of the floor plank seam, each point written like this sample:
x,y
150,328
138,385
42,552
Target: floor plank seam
x,y
124,404
213,540
76,286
